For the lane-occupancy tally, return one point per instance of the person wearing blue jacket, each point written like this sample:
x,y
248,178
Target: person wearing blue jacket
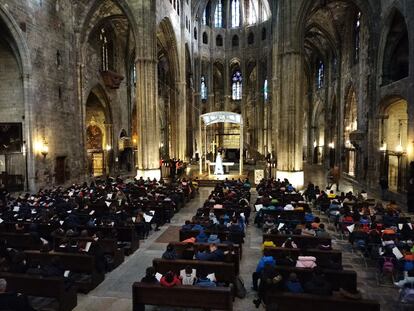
x,y
260,266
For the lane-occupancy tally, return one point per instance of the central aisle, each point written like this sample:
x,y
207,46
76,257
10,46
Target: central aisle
x,y
115,293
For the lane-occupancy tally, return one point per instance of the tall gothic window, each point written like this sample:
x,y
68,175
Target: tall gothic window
x,y
321,75
203,88
104,50
204,18
357,37
218,15
253,12
235,13
237,85
265,91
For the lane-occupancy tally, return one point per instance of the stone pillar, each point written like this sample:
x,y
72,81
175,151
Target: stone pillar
x,y
288,95
182,120
147,92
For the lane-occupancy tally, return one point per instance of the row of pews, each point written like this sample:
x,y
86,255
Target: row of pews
x,y
226,272
83,267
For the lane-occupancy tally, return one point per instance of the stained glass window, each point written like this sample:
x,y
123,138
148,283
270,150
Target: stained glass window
x,y
204,91
235,13
237,86
218,15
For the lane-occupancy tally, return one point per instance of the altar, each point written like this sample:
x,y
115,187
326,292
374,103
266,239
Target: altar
x,y
226,167
214,118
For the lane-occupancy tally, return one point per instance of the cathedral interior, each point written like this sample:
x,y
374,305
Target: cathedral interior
x,y
97,88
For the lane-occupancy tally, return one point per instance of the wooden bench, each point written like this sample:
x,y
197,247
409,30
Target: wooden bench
x,y
236,237
323,258
183,249
109,246
345,279
74,262
43,287
291,301
302,241
21,241
217,298
224,272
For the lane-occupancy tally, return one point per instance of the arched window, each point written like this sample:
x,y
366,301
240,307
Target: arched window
x,y
134,74
204,18
237,85
105,54
250,38
357,37
235,13
253,11
265,91
235,40
205,38
203,89
195,33
219,40
320,75
218,15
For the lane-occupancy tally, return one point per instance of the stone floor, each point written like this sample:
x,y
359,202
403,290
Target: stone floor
x,y
115,292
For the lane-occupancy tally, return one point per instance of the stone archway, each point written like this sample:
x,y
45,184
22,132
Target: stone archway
x,y
16,158
99,133
168,93
395,146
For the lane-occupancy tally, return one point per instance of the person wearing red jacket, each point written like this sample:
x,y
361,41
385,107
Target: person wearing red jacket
x,y
170,280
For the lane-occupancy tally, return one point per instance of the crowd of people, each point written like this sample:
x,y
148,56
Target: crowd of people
x,y
77,217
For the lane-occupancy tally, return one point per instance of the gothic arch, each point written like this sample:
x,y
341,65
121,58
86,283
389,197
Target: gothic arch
x,y
386,57
308,7
88,20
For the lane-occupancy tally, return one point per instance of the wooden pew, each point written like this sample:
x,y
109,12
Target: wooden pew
x,y
21,241
42,287
218,298
182,248
323,258
109,246
291,301
237,237
225,272
302,241
345,279
74,262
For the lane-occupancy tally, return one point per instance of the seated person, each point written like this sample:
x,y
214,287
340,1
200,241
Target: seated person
x,y
306,262
187,226
188,276
149,276
54,268
170,253
12,301
409,278
213,254
322,233
318,285
293,284
265,260
170,280
289,243
205,281
270,280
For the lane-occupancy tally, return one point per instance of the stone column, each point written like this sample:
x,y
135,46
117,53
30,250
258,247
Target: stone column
x,y
147,92
182,120
288,95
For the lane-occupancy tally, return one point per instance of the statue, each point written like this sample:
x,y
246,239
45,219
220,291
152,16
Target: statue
x,y
218,170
